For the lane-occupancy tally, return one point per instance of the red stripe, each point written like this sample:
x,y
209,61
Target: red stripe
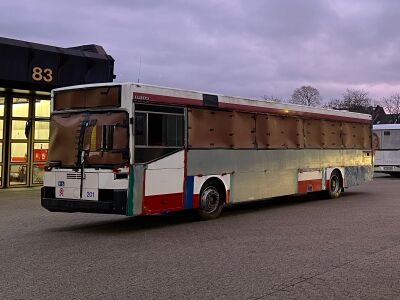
x,y
196,201
313,185
152,98
162,203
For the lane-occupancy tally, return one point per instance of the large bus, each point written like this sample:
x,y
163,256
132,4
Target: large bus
x,y
386,142
136,149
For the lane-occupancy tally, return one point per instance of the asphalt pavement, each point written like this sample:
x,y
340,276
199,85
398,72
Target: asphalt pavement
x,y
301,247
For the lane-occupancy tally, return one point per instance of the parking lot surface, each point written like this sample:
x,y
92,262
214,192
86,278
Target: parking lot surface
x,y
300,247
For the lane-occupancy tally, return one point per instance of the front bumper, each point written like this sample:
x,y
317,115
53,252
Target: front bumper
x,y
110,202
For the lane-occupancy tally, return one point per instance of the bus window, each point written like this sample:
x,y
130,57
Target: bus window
x,y
157,134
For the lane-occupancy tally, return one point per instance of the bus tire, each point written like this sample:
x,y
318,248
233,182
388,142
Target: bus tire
x,y
335,185
211,201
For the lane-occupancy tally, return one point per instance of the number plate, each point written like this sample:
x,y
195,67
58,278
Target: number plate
x,y
388,168
90,194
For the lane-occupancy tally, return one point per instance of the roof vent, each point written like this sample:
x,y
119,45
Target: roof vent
x,y
210,100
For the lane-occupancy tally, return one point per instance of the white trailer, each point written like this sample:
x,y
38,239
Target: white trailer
x,y
386,142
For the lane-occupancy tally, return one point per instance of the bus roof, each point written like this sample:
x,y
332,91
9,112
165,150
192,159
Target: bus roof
x,y
386,127
230,102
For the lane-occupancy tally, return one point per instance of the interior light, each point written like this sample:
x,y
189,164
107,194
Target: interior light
x,y
42,93
20,91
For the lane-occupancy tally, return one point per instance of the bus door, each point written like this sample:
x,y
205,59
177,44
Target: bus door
x,y
159,144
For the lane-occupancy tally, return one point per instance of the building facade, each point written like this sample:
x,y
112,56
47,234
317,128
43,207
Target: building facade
x,y
28,72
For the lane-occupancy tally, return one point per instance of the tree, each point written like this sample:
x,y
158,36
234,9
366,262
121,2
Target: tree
x,y
272,98
392,106
352,100
306,95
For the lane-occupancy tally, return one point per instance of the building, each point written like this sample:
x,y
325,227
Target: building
x,y
28,72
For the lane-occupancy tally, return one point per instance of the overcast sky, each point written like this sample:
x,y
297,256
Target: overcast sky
x,y
233,47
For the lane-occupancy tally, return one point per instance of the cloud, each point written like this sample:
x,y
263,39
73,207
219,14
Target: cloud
x,y
246,48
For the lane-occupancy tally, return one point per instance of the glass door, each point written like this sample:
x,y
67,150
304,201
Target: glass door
x,y
2,123
18,147
39,139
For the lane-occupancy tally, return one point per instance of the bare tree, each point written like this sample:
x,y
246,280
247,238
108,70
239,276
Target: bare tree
x,y
352,100
272,98
306,95
392,106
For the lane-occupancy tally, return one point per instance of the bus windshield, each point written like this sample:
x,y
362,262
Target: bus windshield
x,y
93,138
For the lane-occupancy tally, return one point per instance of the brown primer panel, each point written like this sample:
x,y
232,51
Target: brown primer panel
x,y
353,135
209,128
94,97
279,132
332,134
313,134
367,130
69,99
63,136
244,131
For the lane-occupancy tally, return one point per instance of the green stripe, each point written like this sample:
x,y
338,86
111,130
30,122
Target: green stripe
x,y
129,209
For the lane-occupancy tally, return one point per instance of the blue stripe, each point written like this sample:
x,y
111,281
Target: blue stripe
x,y
189,192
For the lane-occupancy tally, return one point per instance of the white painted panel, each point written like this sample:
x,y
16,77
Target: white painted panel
x,y
310,175
74,193
174,161
163,181
199,181
107,181
90,181
49,179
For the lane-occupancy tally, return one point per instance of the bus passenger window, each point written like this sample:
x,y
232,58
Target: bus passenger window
x,y
165,130
140,129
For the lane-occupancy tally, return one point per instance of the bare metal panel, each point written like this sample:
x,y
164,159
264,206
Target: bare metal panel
x,y
268,173
138,172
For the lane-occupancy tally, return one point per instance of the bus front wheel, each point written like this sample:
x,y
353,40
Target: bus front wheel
x,y
211,201
335,185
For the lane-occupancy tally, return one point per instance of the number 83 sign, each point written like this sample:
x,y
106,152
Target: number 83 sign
x,y
42,74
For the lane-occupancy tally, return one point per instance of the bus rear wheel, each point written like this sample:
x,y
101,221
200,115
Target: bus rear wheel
x,y
210,202
335,185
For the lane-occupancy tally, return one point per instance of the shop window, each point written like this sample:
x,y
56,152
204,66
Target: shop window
x,y
1,152
18,174
40,151
1,175
37,174
2,101
42,108
1,129
19,152
20,107
18,130
42,130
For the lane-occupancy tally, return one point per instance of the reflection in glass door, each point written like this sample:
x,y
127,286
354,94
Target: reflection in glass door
x,y
18,151
2,106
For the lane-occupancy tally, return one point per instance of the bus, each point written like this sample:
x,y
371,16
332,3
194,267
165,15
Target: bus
x,y
386,142
136,149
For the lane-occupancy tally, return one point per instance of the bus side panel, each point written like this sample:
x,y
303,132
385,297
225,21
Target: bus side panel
x,y
258,174
356,175
163,184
